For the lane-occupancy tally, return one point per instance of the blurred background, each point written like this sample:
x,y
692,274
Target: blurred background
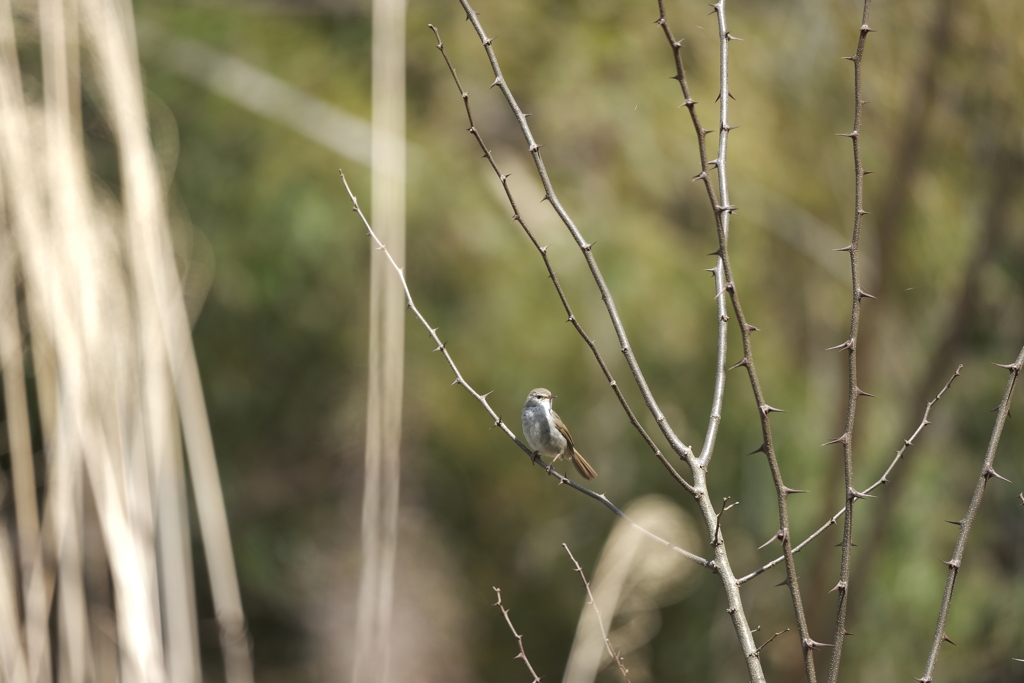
x,y
276,276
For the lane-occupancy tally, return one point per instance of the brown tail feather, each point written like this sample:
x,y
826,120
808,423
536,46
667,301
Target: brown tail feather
x,y
582,466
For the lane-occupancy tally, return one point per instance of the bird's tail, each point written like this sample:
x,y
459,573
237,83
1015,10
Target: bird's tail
x,y
582,466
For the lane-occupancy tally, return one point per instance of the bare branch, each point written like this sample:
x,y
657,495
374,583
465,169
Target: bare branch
x,y
721,560
586,248
723,210
542,250
987,472
853,390
884,479
721,219
482,398
519,638
616,657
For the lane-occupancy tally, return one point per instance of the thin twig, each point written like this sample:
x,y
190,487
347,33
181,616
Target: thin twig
x,y
716,538
517,216
482,398
616,657
765,643
884,479
519,638
987,472
850,345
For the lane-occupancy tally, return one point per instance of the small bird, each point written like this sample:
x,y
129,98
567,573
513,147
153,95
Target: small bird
x,y
547,435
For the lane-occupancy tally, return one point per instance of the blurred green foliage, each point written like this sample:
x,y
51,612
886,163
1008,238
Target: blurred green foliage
x,y
282,338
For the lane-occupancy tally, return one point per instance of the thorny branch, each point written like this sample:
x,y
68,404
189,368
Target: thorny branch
x,y
681,449
850,345
698,470
987,472
722,210
519,638
884,479
721,221
482,398
543,251
616,657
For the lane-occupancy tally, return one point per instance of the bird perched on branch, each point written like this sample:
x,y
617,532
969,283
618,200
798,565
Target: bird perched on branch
x,y
547,435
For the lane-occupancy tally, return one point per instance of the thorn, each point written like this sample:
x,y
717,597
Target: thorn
x,y
765,409
848,344
923,680
946,638
959,522
488,42
786,491
751,328
851,134
700,176
742,362
814,645
989,473
458,380
729,36
588,246
440,347
855,494
866,29
839,586
1012,367
1022,499
846,633
861,392
848,247
484,396
533,148
763,448
776,537
843,438
497,81
785,582
727,208
952,564
864,295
